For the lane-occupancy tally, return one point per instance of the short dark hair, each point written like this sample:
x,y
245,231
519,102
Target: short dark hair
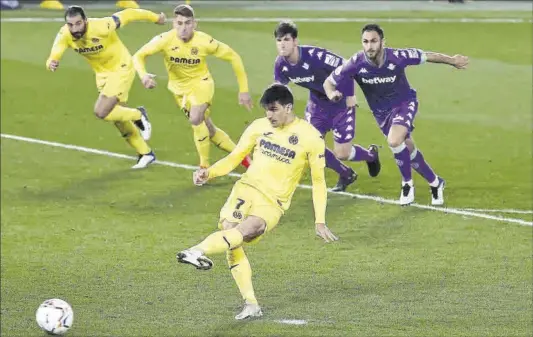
x,y
184,10
75,10
277,93
372,27
284,28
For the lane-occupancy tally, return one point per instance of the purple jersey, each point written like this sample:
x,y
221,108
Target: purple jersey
x,y
385,87
313,67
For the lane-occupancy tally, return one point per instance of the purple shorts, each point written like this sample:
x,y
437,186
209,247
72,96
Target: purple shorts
x,y
341,122
404,114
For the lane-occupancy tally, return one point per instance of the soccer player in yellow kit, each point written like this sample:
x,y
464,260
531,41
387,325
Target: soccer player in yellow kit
x,y
96,39
184,50
283,146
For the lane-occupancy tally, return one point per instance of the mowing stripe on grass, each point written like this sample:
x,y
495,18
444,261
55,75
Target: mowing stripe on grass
x,y
353,195
322,20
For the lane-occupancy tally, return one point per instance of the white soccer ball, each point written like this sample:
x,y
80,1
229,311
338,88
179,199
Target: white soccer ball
x,y
55,316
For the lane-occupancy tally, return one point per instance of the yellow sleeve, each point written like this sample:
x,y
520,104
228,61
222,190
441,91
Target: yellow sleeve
x,y
224,52
139,58
126,16
317,163
59,47
228,163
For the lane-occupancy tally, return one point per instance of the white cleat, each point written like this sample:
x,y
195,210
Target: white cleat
x,y
144,125
144,160
197,181
407,194
195,258
437,193
249,311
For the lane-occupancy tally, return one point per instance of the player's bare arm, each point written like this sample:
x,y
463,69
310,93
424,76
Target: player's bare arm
x,y
458,61
331,90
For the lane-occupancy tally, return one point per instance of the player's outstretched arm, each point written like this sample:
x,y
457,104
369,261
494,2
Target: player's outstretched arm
x,y
126,16
224,52
458,61
317,164
235,157
58,49
139,60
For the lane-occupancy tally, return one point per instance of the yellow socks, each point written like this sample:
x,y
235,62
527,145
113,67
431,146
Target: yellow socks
x,y
220,242
201,139
131,133
223,141
122,114
242,273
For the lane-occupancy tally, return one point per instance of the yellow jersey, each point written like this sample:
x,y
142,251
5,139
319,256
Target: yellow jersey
x,y
185,62
100,45
280,156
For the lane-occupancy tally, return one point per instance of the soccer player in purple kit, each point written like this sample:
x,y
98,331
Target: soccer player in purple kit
x,y
380,72
308,67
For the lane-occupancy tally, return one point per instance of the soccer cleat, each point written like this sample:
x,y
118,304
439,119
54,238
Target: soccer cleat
x,y
144,160
246,162
437,193
407,194
374,167
250,310
195,258
195,180
344,182
144,124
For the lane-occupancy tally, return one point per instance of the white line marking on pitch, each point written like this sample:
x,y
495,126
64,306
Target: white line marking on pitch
x,y
515,211
322,20
292,321
353,195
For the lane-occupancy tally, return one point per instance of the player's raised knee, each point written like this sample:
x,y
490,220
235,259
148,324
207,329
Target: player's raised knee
x,y
395,142
228,225
252,228
101,112
196,119
342,153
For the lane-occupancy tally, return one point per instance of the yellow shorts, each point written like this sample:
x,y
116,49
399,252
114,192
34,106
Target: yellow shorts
x,y
246,200
116,84
199,93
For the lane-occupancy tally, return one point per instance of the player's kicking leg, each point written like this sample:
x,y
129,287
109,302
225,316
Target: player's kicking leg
x,y
419,164
230,240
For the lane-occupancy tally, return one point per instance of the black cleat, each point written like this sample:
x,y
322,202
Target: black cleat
x,y
344,182
374,167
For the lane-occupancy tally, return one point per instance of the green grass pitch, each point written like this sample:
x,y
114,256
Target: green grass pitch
x,y
85,228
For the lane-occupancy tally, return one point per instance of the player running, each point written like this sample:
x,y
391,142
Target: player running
x,y
380,72
96,39
283,146
185,50
308,67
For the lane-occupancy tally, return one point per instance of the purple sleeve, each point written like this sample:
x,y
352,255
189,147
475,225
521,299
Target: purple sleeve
x,y
278,75
344,73
410,56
